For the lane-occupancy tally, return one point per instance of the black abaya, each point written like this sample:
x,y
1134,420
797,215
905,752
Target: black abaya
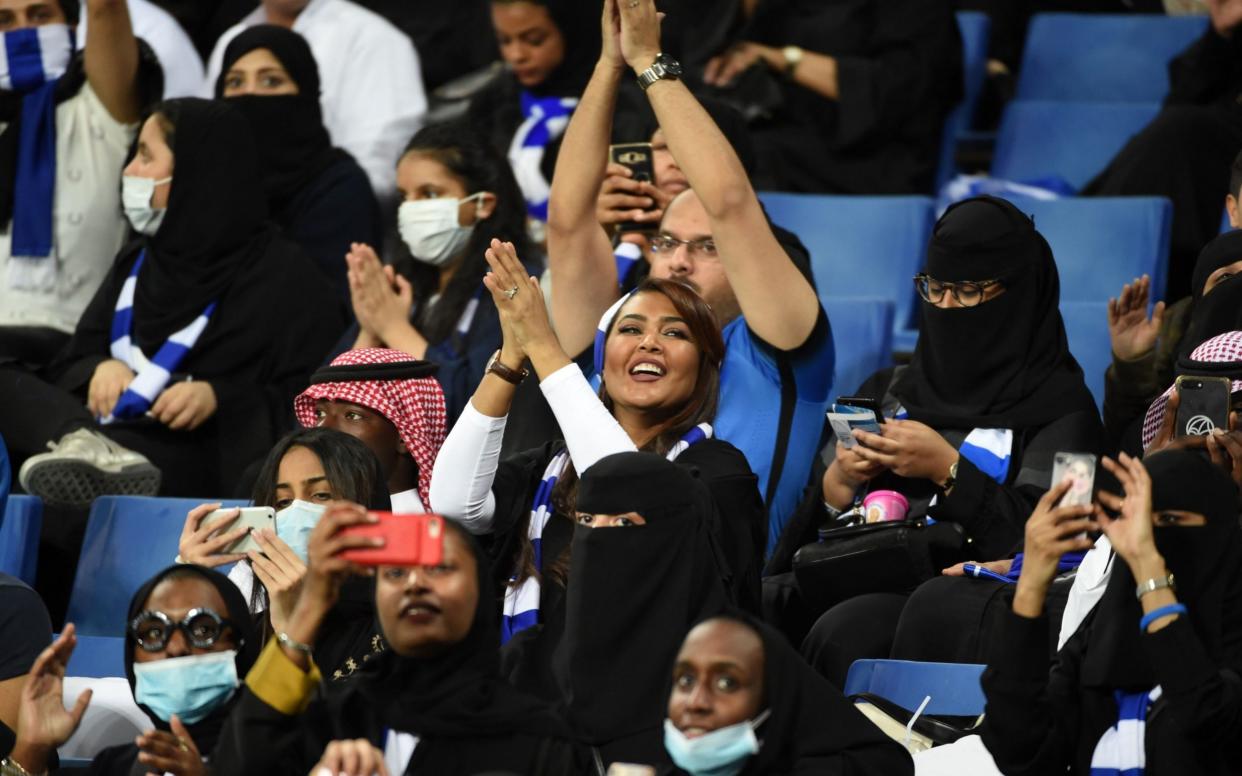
x,y
467,719
1185,152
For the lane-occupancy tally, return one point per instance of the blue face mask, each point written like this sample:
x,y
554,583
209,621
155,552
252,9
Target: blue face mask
x,y
722,752
294,524
191,687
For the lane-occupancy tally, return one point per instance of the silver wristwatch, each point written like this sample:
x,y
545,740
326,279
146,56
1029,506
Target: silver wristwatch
x,y
663,67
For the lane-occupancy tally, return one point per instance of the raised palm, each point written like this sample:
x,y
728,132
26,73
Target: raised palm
x,y
1132,333
43,719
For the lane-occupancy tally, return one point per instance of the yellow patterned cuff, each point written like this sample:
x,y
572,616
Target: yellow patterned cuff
x,y
277,681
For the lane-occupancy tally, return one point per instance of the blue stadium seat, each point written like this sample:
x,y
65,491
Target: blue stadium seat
x,y
128,539
975,28
862,247
1102,243
98,656
1073,141
954,687
19,537
862,330
1086,328
1103,57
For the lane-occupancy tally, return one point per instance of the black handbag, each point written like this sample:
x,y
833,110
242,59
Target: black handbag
x,y
890,557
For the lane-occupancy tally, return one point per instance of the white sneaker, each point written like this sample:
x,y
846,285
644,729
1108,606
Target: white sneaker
x,y
85,464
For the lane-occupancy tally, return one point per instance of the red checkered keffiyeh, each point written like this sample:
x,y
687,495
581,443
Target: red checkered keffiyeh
x,y
414,406
1221,349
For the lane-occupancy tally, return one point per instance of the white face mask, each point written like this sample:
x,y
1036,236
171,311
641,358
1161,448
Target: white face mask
x,y
431,230
136,196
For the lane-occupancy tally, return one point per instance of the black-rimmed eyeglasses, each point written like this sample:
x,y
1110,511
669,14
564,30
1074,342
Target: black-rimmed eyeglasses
x,y
968,293
202,627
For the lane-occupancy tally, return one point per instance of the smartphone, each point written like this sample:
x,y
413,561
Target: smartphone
x,y
1080,468
1203,405
409,540
854,412
637,157
251,517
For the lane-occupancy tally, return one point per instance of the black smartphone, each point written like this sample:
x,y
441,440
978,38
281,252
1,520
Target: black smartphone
x,y
637,157
1203,405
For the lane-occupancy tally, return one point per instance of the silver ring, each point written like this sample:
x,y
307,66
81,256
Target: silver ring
x,y
633,3
512,292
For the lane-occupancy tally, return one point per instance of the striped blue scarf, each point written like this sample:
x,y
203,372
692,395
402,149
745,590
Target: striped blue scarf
x,y
151,376
521,605
1121,751
989,449
545,121
31,63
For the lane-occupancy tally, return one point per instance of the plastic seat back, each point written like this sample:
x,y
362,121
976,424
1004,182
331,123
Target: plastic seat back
x,y
1072,141
19,537
954,687
1103,57
862,331
975,28
128,539
1086,328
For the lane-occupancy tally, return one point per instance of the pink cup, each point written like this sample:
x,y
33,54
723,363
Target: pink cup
x,y
883,506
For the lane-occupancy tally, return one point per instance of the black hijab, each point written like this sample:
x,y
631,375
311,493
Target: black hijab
x,y
458,694
1004,363
633,594
812,727
1221,310
294,146
216,226
579,23
205,731
1206,562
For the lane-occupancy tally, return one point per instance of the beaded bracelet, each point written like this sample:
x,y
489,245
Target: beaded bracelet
x,y
1156,614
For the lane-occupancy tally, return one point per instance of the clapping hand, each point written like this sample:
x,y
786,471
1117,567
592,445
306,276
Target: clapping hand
x,y
43,722
1132,332
170,752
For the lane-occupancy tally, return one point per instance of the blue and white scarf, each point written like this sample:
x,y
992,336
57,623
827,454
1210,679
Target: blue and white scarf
x,y
32,60
545,121
1121,751
151,375
521,605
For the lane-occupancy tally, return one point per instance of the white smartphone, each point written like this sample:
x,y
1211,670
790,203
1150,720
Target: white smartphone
x,y
1080,468
250,517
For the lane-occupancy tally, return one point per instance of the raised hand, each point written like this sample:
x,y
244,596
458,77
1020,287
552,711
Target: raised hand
x,y
201,545
1051,531
1132,333
171,752
43,722
381,302
610,24
281,571
519,300
640,32
1131,530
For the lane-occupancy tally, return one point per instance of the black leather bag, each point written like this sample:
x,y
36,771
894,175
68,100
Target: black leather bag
x,y
890,557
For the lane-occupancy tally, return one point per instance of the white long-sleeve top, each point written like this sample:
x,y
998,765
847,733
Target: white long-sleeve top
x,y
461,482
372,84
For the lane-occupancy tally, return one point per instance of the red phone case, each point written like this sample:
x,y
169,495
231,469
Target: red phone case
x,y
409,540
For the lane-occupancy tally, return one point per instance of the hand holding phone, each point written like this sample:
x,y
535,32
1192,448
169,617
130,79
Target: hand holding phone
x,y
1080,469
1203,405
851,412
408,540
637,158
250,518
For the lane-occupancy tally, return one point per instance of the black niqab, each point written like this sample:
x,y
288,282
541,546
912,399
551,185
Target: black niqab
x,y
633,594
1221,310
1004,363
215,225
1206,562
458,694
206,731
294,146
812,727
